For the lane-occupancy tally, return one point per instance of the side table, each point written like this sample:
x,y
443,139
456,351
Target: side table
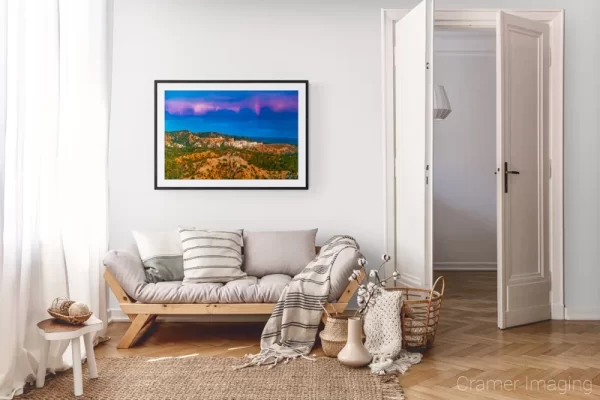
x,y
51,329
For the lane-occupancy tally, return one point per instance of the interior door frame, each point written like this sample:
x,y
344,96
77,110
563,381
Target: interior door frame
x,y
485,18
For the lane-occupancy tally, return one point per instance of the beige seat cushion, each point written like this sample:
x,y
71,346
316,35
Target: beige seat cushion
x,y
128,269
245,290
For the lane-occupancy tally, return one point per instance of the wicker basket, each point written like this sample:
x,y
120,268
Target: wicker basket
x,y
335,335
69,319
420,315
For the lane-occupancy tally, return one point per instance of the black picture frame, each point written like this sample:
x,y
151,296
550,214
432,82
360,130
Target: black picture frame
x,y
304,183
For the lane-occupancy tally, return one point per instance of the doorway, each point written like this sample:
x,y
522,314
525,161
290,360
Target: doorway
x,y
464,158
408,47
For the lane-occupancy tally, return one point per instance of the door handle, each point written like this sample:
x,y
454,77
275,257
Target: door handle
x,y
506,172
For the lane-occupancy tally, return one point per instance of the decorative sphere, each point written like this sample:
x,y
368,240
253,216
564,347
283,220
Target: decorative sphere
x,y
78,309
60,303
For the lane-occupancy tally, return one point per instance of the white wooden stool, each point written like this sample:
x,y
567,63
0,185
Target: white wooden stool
x,y
51,329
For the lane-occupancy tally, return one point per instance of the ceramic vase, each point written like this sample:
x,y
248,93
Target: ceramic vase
x,y
354,354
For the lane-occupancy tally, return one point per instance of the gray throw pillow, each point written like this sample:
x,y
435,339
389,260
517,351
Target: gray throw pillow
x,y
285,252
161,254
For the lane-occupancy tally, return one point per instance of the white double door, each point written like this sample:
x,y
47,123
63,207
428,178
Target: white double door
x,y
523,165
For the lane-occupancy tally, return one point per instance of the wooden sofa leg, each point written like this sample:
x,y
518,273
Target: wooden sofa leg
x,y
140,324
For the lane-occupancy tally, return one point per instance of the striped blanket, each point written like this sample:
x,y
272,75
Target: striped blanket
x,y
290,331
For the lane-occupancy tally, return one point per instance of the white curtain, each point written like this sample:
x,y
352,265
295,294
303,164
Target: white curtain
x,y
54,115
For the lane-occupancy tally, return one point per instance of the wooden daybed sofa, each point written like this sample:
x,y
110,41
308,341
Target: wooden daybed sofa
x,y
143,302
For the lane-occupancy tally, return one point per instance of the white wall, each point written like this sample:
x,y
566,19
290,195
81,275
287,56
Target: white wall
x,y
336,49
335,44
464,191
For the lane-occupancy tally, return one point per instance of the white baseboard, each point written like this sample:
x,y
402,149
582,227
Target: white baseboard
x,y
117,315
582,313
109,317
465,266
558,311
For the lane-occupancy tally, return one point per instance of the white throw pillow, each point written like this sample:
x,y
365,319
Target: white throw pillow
x,y
211,255
161,255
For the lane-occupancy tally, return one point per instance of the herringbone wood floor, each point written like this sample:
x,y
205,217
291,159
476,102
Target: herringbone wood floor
x,y
471,358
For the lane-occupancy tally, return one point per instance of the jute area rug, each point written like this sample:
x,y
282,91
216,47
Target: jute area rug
x,y
214,378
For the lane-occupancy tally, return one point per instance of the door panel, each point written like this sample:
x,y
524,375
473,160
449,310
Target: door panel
x,y
413,90
523,161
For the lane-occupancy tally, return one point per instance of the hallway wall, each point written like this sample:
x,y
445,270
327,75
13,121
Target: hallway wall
x,y
464,192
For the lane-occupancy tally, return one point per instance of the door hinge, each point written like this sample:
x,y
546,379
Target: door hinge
x,y
427,65
427,174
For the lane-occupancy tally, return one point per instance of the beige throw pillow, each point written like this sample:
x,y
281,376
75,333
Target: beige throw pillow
x,y
285,252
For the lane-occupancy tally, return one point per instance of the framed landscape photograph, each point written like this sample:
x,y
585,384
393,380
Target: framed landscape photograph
x,y
231,134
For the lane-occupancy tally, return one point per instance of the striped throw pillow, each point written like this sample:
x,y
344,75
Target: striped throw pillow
x,y
211,255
